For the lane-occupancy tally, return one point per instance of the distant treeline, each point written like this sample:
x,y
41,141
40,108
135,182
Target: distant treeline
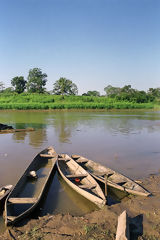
x,y
32,94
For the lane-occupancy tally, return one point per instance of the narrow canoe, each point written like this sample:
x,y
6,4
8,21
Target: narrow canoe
x,y
17,130
80,180
28,191
113,178
4,191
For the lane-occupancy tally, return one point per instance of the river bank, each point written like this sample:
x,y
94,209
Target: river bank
x,y
144,215
45,101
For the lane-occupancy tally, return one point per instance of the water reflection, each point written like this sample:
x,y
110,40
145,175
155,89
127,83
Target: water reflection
x,y
64,125
19,136
123,140
36,138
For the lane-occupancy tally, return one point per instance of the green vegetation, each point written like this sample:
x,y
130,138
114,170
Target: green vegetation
x,y
132,95
31,94
45,101
36,81
92,93
19,83
64,86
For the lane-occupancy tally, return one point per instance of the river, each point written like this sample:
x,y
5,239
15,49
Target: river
x,y
126,141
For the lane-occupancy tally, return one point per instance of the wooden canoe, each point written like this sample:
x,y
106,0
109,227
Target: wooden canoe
x,y
113,178
17,130
28,191
4,191
80,180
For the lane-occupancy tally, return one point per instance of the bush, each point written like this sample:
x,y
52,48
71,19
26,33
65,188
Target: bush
x,y
45,101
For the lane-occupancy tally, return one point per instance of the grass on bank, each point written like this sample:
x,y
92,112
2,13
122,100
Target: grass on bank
x,y
44,101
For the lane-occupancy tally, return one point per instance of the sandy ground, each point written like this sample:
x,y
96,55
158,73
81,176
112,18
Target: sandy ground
x,y
143,212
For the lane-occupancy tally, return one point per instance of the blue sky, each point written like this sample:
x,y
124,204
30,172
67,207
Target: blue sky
x,y
94,43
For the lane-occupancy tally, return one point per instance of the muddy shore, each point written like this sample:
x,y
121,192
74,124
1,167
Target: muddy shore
x,y
144,215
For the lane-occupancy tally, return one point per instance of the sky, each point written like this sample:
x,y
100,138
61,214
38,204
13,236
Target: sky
x,y
94,43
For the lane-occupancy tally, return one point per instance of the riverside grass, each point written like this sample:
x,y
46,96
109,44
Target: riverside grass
x,y
26,101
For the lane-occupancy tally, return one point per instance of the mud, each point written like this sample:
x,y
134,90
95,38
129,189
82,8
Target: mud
x,y
143,212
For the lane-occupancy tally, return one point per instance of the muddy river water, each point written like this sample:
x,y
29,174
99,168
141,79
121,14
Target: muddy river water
x,y
126,141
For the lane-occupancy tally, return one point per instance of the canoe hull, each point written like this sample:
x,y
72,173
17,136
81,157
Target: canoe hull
x,y
114,179
3,198
98,199
11,216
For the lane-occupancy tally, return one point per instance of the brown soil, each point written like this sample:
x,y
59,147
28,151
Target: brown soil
x,y
144,216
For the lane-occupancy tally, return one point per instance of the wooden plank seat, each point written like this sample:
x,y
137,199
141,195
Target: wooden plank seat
x,y
64,159
88,186
74,156
48,155
22,200
82,160
11,218
77,176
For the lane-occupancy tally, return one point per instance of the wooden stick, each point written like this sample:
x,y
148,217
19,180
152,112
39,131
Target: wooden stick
x,y
123,227
48,155
10,234
22,200
105,178
76,176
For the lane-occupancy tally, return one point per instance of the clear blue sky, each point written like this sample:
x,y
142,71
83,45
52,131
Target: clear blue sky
x,y
94,43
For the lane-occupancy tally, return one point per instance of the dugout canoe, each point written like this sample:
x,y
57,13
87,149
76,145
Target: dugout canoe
x,y
4,191
80,180
16,130
113,178
28,191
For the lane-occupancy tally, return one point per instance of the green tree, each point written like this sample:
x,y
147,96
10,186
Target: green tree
x,y
8,90
112,91
154,92
36,81
127,89
92,93
19,84
65,86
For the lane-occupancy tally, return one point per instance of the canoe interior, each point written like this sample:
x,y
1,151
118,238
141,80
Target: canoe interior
x,y
114,179
83,180
29,187
80,205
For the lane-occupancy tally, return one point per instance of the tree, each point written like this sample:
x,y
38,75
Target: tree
x,y
36,81
19,83
1,86
8,90
154,92
65,86
112,91
92,93
128,89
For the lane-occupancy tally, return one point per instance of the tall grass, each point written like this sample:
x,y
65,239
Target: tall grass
x,y
44,101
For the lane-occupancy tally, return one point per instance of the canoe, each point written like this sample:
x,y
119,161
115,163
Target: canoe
x,y
17,130
4,191
28,191
80,180
113,178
